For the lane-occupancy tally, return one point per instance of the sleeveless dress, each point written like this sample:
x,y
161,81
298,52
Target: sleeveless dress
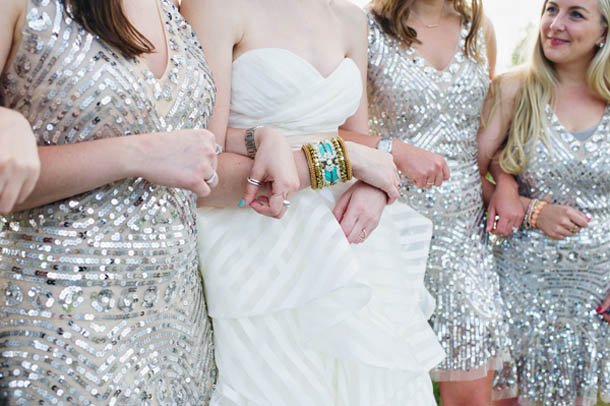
x,y
101,302
560,345
439,111
300,316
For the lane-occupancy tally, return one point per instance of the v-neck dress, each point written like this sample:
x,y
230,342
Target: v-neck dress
x,y
560,345
101,302
438,111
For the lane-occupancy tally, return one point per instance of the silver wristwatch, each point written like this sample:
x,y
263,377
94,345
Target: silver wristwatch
x,y
385,145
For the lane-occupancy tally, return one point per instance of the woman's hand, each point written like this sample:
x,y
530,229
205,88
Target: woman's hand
x,y
183,159
359,211
273,164
425,168
558,221
19,162
506,206
374,167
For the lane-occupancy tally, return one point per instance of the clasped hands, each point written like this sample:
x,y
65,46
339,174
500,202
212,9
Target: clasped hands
x,y
506,212
360,207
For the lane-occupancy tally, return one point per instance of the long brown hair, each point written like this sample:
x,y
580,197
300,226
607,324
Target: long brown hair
x,y
107,19
393,16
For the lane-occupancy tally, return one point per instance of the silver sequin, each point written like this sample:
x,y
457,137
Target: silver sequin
x,y
552,288
439,112
101,301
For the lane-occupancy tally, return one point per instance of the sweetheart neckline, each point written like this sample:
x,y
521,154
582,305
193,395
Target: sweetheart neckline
x,y
298,57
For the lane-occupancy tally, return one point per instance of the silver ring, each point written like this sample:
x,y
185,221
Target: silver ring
x,y
515,229
218,149
212,178
286,203
254,182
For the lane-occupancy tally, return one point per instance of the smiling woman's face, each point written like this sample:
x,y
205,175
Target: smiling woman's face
x,y
571,30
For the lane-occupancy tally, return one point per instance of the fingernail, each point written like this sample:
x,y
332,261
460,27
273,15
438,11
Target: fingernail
x,y
588,218
241,204
599,309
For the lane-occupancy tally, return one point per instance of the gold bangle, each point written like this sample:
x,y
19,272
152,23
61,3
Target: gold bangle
x,y
340,158
348,166
317,165
312,173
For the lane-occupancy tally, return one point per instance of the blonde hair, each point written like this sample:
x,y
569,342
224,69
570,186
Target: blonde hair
x,y
392,15
536,92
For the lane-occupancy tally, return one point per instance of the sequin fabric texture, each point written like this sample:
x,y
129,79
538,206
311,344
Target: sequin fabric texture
x,y
561,345
100,296
439,111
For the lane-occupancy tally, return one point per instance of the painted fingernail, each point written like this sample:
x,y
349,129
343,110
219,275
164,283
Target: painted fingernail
x,y
588,218
241,204
599,309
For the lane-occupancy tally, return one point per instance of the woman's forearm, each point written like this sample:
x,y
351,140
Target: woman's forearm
x,y
360,138
68,170
234,170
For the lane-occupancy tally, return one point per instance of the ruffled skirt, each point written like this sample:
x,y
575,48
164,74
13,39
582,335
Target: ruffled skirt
x,y
301,317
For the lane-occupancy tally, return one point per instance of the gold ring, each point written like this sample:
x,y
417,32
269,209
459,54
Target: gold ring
x,y
363,234
574,229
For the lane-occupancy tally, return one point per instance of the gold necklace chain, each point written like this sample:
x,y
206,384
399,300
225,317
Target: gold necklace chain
x,y
430,26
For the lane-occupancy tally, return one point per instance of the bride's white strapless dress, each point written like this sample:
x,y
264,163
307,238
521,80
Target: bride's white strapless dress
x,y
301,317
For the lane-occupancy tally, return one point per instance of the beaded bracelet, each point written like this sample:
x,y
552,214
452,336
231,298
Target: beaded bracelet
x,y
328,163
534,209
344,163
528,213
536,213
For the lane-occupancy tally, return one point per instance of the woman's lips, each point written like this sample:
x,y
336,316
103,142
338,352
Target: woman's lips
x,y
557,41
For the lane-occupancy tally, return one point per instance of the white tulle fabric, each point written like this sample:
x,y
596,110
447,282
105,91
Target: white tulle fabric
x,y
301,317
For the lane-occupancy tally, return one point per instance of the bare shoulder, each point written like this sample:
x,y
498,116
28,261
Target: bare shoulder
x,y
11,22
355,29
488,30
488,27
351,14
509,84
225,8
216,19
11,11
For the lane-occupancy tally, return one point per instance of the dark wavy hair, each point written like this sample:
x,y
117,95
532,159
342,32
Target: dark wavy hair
x,y
107,19
392,15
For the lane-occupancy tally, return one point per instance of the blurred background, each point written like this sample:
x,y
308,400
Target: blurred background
x,y
513,21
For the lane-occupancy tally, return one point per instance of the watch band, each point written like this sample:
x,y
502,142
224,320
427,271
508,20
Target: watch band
x,y
385,145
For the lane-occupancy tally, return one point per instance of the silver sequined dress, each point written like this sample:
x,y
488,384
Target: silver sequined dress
x,y
439,112
101,301
561,346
